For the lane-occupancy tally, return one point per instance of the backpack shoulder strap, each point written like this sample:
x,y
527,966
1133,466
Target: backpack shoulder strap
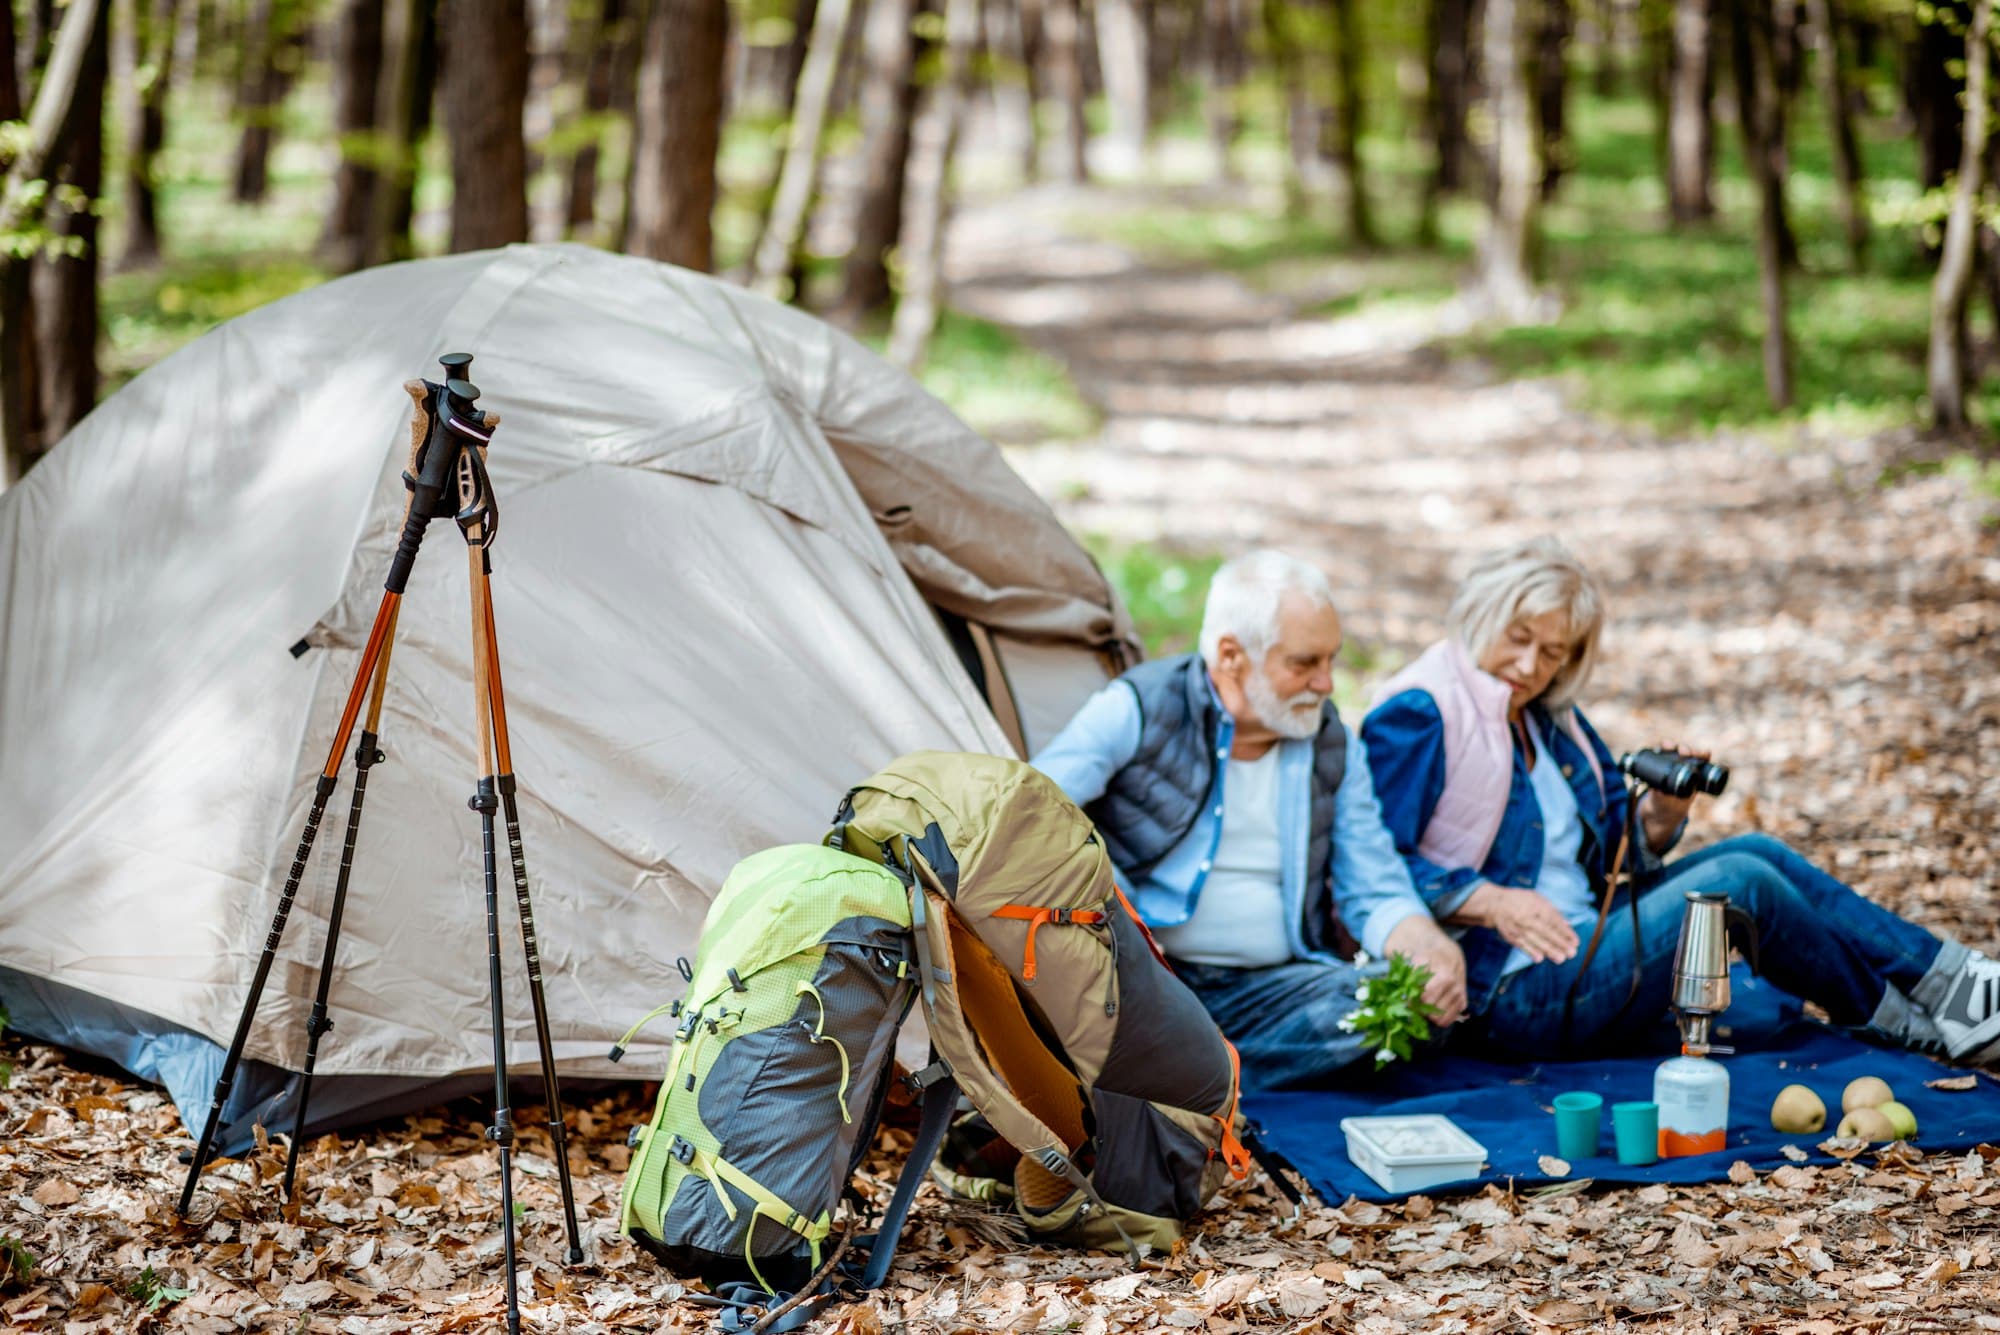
x,y
940,1099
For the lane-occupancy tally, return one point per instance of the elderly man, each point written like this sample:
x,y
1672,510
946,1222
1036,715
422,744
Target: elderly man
x,y
1241,816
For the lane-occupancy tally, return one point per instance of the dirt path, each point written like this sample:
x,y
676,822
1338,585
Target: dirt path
x,y
1833,638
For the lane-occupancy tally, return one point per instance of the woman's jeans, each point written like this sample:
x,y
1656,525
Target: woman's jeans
x,y
1817,939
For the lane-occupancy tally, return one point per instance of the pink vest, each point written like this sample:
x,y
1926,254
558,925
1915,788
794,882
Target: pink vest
x,y
1478,753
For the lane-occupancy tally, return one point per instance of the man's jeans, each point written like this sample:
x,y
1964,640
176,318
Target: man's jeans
x,y
1284,1020
1817,939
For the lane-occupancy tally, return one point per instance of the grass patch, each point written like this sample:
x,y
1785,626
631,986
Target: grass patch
x,y
1163,589
1004,389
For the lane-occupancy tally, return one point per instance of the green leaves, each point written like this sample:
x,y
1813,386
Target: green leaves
x,y
1393,1016
152,1289
17,1263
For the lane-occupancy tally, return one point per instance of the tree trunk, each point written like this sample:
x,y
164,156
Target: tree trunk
x,y
607,74
20,397
888,103
270,57
1756,99
1346,139
1931,90
1507,252
66,286
1013,89
1121,54
798,176
1450,88
1228,64
930,192
1954,273
1769,36
1840,122
143,51
1690,118
410,42
1029,13
1301,124
485,93
1062,32
1553,27
672,184
357,99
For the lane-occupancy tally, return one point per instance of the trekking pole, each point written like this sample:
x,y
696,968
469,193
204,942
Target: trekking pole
x,y
366,757
478,521
482,569
432,459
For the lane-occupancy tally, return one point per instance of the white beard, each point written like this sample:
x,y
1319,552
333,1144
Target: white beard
x,y
1296,717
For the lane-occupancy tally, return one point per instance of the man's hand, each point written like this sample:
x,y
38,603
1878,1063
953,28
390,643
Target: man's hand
x,y
1419,939
1525,919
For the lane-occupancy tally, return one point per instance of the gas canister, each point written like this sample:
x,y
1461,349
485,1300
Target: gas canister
x,y
1693,1094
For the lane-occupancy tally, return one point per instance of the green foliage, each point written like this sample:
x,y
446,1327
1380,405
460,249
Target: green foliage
x,y
1164,590
33,198
1004,389
151,1288
1392,1015
17,1263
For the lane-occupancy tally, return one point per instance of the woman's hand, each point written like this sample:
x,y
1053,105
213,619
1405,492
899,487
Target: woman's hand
x,y
1525,919
1661,814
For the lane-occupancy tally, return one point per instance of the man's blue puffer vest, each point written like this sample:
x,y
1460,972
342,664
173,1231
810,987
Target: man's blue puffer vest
x,y
1153,802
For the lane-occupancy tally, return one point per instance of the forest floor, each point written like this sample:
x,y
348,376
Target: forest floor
x,y
1821,611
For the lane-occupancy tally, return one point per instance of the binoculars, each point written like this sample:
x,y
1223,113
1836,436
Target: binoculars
x,y
1675,774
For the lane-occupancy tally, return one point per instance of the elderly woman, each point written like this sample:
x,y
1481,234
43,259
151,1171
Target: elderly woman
x,y
1509,812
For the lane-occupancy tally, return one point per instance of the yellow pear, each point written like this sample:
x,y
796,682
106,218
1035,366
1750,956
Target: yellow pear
x,y
1797,1110
1868,1092
1901,1118
1868,1124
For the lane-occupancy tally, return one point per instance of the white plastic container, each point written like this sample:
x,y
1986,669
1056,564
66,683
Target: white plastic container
x,y
1413,1152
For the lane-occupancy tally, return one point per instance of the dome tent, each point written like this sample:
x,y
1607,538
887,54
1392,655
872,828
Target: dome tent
x,y
741,563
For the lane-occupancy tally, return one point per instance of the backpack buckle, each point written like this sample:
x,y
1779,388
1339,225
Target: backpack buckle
x,y
1062,917
681,1149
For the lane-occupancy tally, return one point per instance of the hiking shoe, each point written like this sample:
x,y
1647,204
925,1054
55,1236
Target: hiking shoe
x,y
1969,1016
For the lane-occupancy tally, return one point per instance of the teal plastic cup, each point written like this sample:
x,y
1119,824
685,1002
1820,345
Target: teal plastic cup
x,y
1577,1116
1636,1129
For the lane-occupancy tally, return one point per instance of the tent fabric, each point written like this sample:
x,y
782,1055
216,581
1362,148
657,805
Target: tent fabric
x,y
722,528
1508,1107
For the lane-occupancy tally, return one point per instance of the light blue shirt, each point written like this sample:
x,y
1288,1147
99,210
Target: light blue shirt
x,y
1561,881
1371,886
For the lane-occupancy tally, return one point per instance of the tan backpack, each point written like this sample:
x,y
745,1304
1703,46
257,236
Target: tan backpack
x,y
1110,1093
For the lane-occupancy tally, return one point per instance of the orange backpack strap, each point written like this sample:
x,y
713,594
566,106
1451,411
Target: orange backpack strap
x,y
1144,930
1231,1149
1035,916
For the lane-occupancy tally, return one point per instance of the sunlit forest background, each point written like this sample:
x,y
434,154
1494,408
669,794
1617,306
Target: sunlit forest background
x,y
1701,212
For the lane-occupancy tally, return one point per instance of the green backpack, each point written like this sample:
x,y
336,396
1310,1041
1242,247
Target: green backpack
x,y
778,1070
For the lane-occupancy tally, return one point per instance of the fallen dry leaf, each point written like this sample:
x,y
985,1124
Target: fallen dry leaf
x,y
1552,1166
1956,1084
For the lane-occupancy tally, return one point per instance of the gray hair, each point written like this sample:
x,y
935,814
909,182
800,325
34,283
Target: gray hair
x,y
1527,580
1246,595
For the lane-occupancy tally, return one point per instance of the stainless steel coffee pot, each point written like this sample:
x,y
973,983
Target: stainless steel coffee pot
x,y
1701,966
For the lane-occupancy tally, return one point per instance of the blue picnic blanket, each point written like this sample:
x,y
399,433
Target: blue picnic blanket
x,y
1507,1107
